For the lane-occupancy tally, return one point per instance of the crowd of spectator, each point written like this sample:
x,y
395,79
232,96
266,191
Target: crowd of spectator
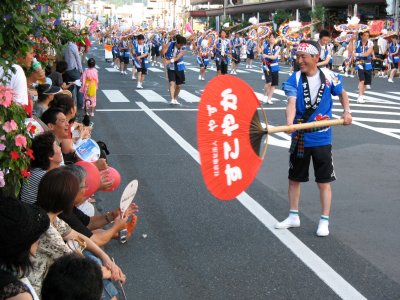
x,y
52,232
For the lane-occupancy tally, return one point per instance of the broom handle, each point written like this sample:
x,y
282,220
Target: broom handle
x,y
303,126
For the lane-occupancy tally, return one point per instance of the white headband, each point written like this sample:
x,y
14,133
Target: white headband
x,y
307,48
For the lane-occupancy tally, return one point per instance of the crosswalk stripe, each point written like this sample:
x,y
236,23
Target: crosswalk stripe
x,y
376,112
396,93
241,71
188,97
372,99
255,71
156,70
260,97
377,120
151,96
115,96
368,105
193,69
383,95
112,70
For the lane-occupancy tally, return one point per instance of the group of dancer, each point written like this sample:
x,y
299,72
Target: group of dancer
x,y
139,50
225,51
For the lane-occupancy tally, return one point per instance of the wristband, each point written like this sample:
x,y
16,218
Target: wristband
x,y
347,111
172,60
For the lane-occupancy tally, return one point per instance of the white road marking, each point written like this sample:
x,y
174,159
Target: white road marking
x,y
97,67
396,93
115,96
372,99
260,97
188,97
383,95
325,272
156,70
112,70
377,120
151,96
376,129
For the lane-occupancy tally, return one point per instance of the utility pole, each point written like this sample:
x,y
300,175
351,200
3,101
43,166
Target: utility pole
x,y
396,16
173,14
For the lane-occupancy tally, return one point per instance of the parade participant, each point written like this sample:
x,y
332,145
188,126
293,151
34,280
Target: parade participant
x,y
250,46
141,59
155,49
115,52
237,44
270,56
382,50
222,49
202,56
326,52
123,55
363,59
173,58
293,64
132,52
393,57
309,93
348,62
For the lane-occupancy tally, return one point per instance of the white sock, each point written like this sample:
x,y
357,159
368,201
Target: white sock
x,y
324,218
293,214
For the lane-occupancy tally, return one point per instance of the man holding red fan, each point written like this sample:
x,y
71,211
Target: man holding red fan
x,y
309,93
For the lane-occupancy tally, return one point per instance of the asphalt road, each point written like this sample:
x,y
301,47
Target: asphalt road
x,y
200,248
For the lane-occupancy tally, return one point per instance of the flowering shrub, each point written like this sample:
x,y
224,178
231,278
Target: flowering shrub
x,y
15,154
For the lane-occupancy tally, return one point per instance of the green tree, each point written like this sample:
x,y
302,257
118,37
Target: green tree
x,y
318,14
281,16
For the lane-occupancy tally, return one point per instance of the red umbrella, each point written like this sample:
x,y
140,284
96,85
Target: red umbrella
x,y
228,161
231,140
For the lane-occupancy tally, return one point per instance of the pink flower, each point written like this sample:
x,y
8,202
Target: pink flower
x,y
2,138
6,96
2,181
2,147
20,141
10,126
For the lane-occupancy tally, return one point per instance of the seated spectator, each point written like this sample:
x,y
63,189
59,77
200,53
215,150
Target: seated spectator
x,y
66,104
57,122
21,227
57,191
73,277
57,76
47,156
46,94
92,226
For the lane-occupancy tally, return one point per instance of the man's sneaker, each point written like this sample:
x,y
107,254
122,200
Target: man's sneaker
x,y
133,77
203,78
139,85
360,100
289,222
323,228
172,102
200,77
176,102
368,87
269,101
263,77
390,80
346,75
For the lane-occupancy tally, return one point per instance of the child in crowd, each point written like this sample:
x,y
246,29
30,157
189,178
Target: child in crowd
x,y
90,82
